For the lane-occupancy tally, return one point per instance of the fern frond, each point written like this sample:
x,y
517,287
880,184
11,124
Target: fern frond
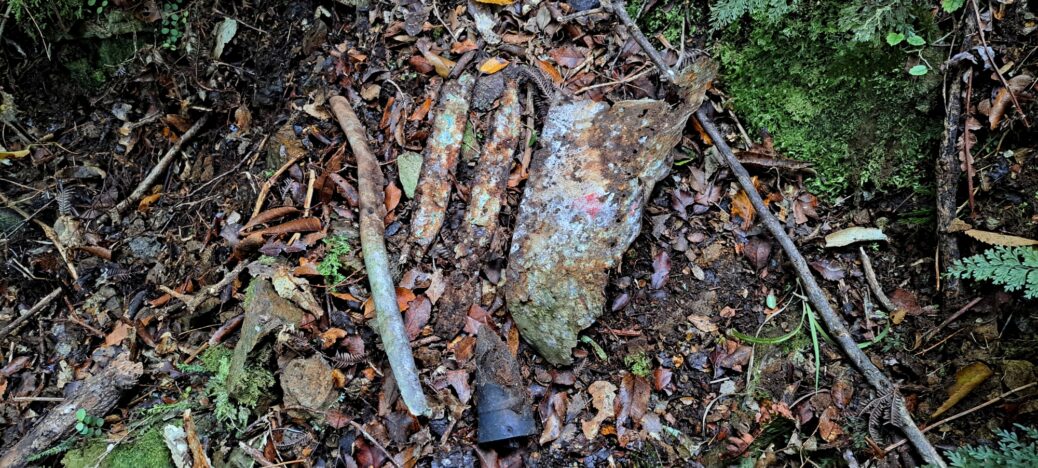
x,y
1013,268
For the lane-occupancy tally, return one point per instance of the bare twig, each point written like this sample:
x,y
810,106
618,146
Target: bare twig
x,y
930,334
40,305
837,329
374,442
389,323
269,183
157,171
194,302
991,61
972,410
870,277
619,8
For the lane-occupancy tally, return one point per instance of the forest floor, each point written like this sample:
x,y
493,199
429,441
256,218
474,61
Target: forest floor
x,y
706,352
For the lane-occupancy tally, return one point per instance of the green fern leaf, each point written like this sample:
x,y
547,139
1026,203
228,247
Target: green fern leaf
x,y
1013,268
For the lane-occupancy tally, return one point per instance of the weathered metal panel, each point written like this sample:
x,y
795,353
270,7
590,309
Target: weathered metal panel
x,y
582,208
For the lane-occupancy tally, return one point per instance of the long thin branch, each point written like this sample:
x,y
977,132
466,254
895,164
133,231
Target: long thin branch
x,y
157,171
619,8
390,324
42,304
833,321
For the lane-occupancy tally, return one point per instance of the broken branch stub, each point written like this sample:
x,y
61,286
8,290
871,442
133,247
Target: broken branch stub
x,y
583,205
440,160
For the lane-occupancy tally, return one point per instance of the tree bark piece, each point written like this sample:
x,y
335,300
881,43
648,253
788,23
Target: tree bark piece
x,y
389,323
481,217
837,329
97,395
441,158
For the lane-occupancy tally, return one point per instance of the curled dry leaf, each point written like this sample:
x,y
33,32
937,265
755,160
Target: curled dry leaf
x,y
758,251
828,428
417,316
603,397
1004,99
330,336
994,238
661,269
296,225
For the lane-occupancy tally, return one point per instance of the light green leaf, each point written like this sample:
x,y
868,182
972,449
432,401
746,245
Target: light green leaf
x,y
916,40
952,5
81,414
918,70
771,301
894,38
409,165
225,31
853,234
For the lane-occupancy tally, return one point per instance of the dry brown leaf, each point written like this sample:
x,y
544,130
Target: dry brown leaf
x,y
404,297
703,323
827,426
567,56
118,334
550,70
461,47
1004,99
393,194
442,66
267,216
493,65
330,336
742,208
603,397
497,2
966,379
296,225
995,238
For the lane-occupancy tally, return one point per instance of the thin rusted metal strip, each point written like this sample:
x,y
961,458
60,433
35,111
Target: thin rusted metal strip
x,y
441,158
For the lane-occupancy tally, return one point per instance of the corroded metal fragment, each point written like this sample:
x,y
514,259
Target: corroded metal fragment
x,y
481,216
440,160
582,208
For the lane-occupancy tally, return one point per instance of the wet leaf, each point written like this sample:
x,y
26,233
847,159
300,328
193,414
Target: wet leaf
x,y
493,65
853,234
409,165
661,269
392,196
828,270
567,56
118,334
758,251
1004,98
827,425
966,380
417,316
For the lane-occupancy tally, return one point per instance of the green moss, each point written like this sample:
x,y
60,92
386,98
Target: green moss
x,y
335,258
147,450
234,411
95,62
664,18
833,94
639,363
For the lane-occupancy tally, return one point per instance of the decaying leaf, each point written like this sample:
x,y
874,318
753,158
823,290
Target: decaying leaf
x,y
703,323
1004,99
493,65
966,379
994,238
853,234
409,165
661,269
743,209
603,396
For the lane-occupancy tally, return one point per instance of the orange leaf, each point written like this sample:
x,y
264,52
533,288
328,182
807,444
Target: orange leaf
x,y
493,65
421,111
463,46
548,68
702,133
147,201
404,297
338,378
118,334
345,296
742,208
269,215
392,196
330,336
296,225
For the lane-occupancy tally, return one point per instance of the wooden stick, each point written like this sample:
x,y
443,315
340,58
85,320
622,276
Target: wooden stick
x,y
47,231
42,304
870,277
158,170
389,323
817,298
619,8
972,410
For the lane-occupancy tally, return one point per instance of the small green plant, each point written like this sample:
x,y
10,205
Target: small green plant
x,y
234,410
1013,268
1012,451
62,447
639,363
174,23
87,425
98,5
331,266
815,329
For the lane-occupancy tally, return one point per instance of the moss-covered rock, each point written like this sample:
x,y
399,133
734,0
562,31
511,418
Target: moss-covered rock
x,y
844,104
148,450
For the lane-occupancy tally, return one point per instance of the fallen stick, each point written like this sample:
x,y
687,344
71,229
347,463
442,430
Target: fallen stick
x,y
42,304
619,8
157,171
972,410
97,395
836,327
47,231
870,277
389,323
947,172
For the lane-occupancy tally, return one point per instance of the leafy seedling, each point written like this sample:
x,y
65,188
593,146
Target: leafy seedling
x,y
87,425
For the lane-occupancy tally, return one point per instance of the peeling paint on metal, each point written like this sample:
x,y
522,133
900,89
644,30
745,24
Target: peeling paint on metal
x,y
582,209
440,160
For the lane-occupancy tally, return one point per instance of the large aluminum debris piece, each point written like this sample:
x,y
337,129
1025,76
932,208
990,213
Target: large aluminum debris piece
x,y
583,205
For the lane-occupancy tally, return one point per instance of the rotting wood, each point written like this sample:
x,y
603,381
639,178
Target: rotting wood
x,y
97,395
439,162
948,172
833,322
481,216
388,320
